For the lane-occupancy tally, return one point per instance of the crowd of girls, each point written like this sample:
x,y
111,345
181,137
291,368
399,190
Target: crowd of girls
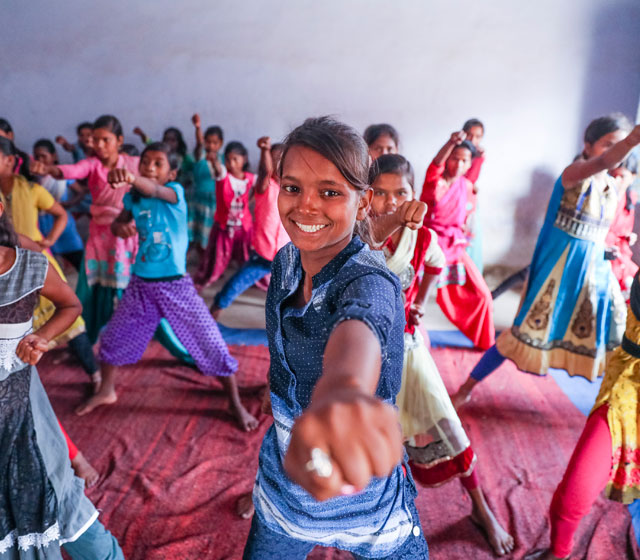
x,y
331,223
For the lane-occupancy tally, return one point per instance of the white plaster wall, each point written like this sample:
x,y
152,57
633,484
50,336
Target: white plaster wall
x,y
535,72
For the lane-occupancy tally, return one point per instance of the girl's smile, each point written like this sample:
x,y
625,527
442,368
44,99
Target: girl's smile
x,y
317,206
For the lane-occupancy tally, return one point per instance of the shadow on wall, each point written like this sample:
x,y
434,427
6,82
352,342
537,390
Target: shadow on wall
x,y
529,215
613,84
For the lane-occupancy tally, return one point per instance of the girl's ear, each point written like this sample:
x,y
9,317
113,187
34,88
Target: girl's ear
x,y
120,140
587,150
172,175
365,204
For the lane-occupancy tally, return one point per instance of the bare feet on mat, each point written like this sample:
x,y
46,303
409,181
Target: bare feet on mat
x,y
501,541
244,506
84,470
245,419
463,395
102,397
96,382
460,398
542,554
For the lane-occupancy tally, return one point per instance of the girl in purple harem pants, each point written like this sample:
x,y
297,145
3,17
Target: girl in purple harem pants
x,y
159,287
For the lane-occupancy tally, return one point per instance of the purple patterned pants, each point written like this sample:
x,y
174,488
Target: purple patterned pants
x,y
138,314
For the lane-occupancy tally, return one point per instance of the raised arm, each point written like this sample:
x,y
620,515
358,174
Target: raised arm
x,y
581,169
67,309
141,134
197,151
148,188
66,145
455,140
265,168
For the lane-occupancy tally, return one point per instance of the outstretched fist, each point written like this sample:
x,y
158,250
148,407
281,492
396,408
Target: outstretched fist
x,y
196,120
264,143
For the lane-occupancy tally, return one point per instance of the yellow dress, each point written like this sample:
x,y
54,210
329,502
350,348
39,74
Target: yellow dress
x,y
619,390
23,205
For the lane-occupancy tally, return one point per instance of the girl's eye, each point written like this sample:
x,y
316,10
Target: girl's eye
x,y
330,194
378,193
290,188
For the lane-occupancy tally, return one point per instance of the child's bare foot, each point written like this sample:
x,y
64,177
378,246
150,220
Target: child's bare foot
x,y
244,506
464,393
501,541
84,470
245,419
96,382
102,397
544,554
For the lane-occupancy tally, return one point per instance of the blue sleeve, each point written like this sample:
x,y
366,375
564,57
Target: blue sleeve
x,y
127,202
179,190
372,299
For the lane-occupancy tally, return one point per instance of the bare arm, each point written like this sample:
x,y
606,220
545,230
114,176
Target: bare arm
x,y
445,151
265,168
359,432
580,170
410,214
59,223
146,187
66,145
123,225
197,151
68,308
141,134
38,168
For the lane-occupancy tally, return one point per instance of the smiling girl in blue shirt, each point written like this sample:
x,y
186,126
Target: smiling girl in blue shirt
x,y
331,468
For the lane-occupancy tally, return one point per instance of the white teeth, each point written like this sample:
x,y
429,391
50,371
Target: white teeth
x,y
310,228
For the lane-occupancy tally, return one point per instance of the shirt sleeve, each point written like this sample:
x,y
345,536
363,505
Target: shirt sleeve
x,y
78,170
474,170
369,298
432,189
43,198
434,260
178,189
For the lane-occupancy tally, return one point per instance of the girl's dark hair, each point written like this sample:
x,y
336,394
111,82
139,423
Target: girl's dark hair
x,y
130,150
84,125
468,125
8,235
394,164
8,148
5,126
236,147
605,125
214,131
46,144
110,123
172,158
467,145
342,146
182,145
374,131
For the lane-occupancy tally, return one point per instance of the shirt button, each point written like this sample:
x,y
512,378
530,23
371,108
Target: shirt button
x,y
416,531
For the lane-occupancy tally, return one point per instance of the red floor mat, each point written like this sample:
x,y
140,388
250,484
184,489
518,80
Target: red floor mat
x,y
173,464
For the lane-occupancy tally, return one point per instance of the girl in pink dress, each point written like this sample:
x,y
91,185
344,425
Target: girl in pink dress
x,y
230,237
106,269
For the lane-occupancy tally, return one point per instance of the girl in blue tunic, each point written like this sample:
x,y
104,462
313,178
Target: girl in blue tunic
x,y
572,312
331,469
